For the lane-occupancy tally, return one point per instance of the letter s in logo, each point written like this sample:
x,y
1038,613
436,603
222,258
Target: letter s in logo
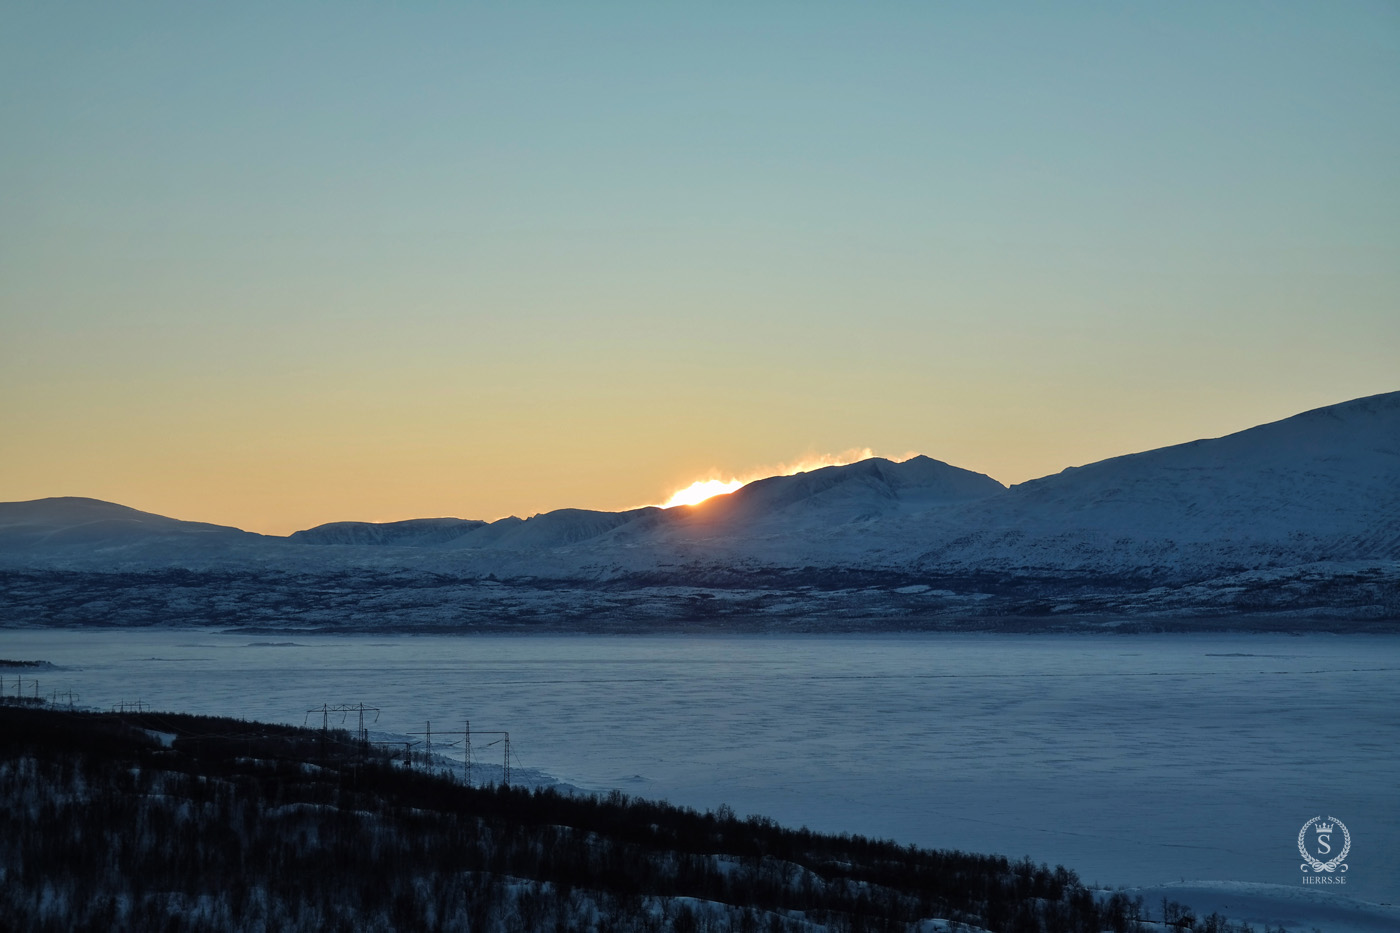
x,y
1322,843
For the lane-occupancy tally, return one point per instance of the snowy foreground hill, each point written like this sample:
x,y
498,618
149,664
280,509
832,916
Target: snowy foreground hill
x,y
1290,521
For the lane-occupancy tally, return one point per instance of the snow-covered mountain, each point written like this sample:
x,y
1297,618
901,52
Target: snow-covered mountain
x,y
1304,503
857,492
416,532
560,528
72,524
1320,486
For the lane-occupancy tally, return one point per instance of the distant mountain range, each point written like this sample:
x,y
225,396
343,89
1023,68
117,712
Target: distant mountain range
x,y
1296,518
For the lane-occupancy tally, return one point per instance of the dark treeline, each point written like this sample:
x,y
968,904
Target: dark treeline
x,y
109,823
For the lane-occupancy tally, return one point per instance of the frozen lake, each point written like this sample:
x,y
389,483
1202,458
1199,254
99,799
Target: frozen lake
x,y
1131,759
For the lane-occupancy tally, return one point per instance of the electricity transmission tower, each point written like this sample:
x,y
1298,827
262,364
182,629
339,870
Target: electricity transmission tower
x,y
466,735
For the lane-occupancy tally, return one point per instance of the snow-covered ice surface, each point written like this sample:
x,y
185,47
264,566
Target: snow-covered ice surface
x,y
1294,907
1135,760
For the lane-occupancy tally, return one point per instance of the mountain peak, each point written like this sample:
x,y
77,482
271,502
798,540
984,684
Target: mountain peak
x,y
851,492
81,522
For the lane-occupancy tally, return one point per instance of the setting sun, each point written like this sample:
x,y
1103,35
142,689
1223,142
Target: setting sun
x,y
700,490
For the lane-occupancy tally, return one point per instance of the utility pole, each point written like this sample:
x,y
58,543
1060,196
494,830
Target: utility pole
x,y
466,735
344,709
325,710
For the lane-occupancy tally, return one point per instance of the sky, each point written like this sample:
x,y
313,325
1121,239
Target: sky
x,y
278,264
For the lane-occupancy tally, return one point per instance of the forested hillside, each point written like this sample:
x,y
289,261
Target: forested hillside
x,y
157,821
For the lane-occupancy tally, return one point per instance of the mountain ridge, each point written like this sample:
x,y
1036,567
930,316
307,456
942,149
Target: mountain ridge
x,y
1300,514
1227,491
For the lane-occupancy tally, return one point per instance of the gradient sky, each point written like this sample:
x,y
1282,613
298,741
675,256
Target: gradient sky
x,y
277,264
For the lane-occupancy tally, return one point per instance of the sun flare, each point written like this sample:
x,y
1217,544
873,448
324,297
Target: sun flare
x,y
703,489
700,490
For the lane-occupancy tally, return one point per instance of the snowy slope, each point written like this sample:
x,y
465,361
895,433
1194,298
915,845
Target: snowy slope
x,y
836,495
827,497
1320,486
560,528
1265,906
1323,486
833,516
76,524
418,532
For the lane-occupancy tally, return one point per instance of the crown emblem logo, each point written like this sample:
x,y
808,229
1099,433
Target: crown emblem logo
x,y
1315,850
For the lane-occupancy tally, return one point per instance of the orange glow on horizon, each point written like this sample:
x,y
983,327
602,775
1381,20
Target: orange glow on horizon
x,y
703,489
700,490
